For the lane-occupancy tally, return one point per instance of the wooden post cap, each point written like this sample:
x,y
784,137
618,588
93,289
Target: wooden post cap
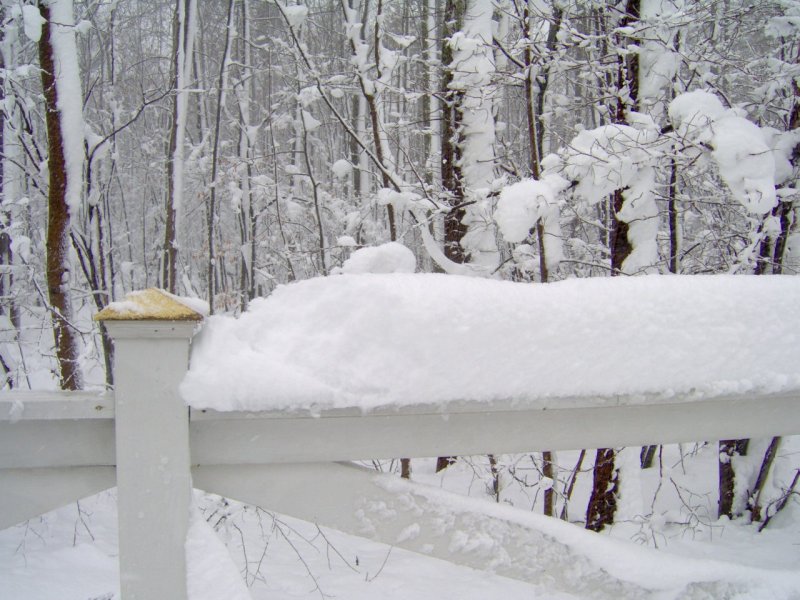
x,y
153,305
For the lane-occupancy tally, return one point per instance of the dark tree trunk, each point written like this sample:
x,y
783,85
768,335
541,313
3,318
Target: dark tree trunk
x,y
783,211
454,229
620,247
169,258
58,222
603,502
405,468
754,498
548,471
570,486
647,456
727,476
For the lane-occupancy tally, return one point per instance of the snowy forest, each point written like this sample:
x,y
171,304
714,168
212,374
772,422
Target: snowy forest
x,y
220,148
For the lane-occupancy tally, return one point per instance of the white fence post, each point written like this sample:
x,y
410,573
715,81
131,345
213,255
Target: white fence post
x,y
151,334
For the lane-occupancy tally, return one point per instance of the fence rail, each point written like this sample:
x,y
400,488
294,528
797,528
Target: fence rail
x,y
55,429
469,429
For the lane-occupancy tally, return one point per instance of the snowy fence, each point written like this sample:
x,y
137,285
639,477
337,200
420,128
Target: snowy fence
x,y
56,447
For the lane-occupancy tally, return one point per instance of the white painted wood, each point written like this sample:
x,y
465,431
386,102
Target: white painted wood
x,y
241,438
51,443
152,447
18,406
422,519
27,493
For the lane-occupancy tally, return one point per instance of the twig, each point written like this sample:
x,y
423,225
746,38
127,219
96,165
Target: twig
x,y
369,579
332,547
782,502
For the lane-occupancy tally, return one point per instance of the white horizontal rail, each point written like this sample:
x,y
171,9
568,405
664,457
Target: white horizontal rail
x,y
468,429
27,493
56,429
26,405
51,443
77,429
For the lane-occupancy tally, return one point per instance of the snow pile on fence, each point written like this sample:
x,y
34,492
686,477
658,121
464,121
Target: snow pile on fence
x,y
372,340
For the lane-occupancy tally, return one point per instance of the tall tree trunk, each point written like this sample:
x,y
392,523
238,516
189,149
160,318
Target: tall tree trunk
x,y
58,209
183,38
222,84
370,93
728,449
10,176
754,497
534,102
452,184
603,500
246,144
770,260
727,475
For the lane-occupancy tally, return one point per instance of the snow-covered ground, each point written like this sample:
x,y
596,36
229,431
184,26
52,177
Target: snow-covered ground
x,y
60,558
70,553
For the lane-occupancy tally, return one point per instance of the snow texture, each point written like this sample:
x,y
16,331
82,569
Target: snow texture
x,y
607,159
392,257
295,15
71,555
32,22
70,97
658,61
342,168
576,561
187,15
741,149
210,572
473,66
309,122
346,241
522,204
620,157
377,340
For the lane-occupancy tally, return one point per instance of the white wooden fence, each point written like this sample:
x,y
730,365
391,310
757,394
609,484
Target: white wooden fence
x,y
56,447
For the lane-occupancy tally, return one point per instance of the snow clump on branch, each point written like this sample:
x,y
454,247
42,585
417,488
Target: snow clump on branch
x,y
523,203
342,168
32,22
740,148
295,15
392,257
620,157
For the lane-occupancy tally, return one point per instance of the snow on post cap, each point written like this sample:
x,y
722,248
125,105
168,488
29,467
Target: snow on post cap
x,y
155,305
